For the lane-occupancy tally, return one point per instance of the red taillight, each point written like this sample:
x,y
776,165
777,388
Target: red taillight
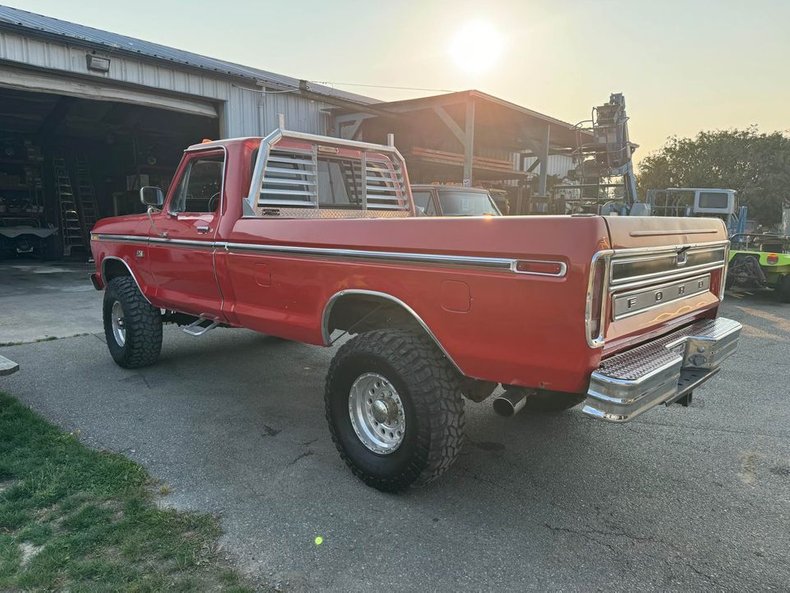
x,y
717,282
595,303
546,268
772,258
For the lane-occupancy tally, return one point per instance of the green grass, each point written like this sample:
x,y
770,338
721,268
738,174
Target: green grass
x,y
81,520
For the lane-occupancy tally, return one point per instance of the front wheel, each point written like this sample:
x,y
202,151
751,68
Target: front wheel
x,y
132,326
394,409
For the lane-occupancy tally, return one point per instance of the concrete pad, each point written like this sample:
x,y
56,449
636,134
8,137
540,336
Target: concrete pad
x,y
44,301
7,366
682,499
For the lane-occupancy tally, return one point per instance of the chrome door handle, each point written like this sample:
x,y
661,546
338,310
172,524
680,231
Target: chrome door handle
x,y
203,229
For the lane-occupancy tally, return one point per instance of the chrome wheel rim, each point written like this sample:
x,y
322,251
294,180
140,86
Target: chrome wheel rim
x,y
118,325
377,413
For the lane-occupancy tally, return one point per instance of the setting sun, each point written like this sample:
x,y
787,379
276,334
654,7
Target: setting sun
x,y
476,47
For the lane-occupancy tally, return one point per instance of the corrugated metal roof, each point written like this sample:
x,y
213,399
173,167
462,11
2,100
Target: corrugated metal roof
x,y
44,25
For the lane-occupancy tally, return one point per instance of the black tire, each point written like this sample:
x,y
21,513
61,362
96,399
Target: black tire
x,y
142,323
433,408
543,401
783,289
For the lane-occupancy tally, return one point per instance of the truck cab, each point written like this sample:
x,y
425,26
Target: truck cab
x,y
453,200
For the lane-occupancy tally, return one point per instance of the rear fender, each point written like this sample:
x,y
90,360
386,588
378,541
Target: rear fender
x,y
327,324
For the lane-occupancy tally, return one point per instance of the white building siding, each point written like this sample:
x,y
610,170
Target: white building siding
x,y
300,113
243,110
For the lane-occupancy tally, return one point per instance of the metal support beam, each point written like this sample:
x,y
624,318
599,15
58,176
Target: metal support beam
x,y
544,162
350,131
540,149
451,124
348,126
469,145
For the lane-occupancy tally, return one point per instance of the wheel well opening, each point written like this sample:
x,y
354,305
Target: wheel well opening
x,y
114,268
357,313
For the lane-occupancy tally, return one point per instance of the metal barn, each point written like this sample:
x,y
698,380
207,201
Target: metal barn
x,y
88,116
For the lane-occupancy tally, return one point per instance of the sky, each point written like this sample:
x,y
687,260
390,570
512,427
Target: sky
x,y
684,66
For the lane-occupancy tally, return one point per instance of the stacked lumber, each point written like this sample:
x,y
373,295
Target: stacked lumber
x,y
454,158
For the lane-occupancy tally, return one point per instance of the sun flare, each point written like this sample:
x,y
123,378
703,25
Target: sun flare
x,y
476,47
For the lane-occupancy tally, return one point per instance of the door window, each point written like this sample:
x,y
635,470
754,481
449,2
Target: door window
x,y
201,185
424,201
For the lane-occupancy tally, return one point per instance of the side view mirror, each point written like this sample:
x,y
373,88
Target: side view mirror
x,y
152,196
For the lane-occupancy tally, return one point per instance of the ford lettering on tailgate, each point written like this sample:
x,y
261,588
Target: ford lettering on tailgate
x,y
637,301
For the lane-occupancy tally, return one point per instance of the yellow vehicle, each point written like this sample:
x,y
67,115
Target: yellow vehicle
x,y
760,261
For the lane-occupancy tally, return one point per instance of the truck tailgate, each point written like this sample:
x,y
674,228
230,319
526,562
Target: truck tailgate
x,y
663,273
636,232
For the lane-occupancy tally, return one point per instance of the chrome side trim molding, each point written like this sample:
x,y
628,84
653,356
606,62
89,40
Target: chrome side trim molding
x,y
335,297
131,273
498,263
185,242
159,240
119,238
487,262
563,267
673,233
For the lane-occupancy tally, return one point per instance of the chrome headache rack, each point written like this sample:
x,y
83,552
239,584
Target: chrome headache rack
x,y
310,176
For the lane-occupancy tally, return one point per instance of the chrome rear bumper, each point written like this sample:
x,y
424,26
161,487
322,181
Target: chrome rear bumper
x,y
661,371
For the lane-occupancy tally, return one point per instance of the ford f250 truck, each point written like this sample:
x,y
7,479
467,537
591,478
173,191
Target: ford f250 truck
x,y
313,239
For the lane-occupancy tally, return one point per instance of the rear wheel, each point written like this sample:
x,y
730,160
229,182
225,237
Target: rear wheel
x,y
394,409
132,326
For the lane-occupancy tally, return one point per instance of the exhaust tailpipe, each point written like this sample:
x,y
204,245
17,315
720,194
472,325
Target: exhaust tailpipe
x,y
511,402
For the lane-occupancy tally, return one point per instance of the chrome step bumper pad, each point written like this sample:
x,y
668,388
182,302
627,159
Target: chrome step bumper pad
x,y
661,371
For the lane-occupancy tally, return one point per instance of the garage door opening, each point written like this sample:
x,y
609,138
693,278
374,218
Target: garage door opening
x,y
66,161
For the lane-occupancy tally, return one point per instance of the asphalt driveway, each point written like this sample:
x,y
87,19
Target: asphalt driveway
x,y
681,499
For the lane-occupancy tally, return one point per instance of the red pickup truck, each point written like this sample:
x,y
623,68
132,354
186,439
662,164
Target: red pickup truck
x,y
313,239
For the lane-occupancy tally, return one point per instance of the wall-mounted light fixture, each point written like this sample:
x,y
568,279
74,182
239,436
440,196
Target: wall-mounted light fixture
x,y
98,63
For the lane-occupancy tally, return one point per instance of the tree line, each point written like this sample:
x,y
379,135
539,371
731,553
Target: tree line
x,y
755,164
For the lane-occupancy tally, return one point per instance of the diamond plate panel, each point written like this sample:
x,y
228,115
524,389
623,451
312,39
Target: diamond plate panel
x,y
642,360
